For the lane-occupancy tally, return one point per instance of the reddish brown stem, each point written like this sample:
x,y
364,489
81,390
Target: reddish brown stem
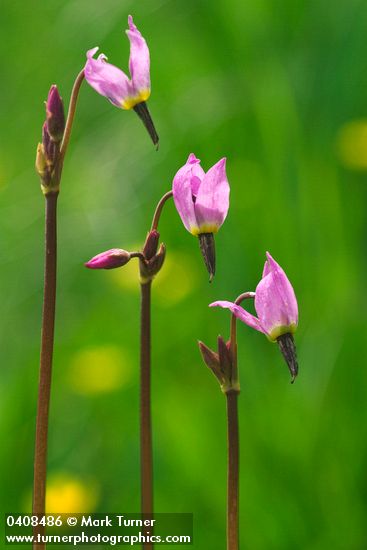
x,y
233,471
233,438
158,210
47,344
146,447
71,113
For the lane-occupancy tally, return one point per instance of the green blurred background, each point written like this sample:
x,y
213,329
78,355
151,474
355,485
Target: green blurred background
x,y
280,88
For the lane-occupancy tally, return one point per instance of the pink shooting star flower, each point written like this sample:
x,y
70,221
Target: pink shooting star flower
x,y
202,201
122,91
277,310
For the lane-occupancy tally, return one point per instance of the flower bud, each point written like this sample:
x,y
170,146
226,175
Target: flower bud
x,y
41,164
225,357
151,244
211,359
221,364
116,257
49,146
55,114
157,261
150,268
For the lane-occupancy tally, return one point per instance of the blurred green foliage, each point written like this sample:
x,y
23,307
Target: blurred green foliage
x,y
280,89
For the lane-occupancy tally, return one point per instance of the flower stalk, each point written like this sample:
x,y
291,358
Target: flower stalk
x,y
150,264
47,344
151,260
233,470
223,364
146,446
49,163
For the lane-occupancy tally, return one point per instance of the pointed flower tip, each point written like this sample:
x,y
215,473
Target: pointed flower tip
x,y
90,53
269,257
192,159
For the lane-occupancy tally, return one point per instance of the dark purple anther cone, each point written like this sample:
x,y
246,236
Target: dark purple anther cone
x,y
287,347
142,111
207,247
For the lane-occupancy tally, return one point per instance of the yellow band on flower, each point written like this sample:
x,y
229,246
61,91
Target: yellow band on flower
x,y
130,102
280,330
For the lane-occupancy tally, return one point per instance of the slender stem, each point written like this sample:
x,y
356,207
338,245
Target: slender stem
x,y
233,471
146,452
137,255
47,343
71,112
233,439
159,208
233,333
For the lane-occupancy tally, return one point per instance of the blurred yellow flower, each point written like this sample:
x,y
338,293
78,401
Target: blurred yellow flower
x,y
352,144
99,369
127,277
178,278
67,494
167,290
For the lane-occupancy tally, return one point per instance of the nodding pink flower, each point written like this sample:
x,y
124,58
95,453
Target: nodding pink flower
x,y
116,257
115,85
277,310
202,201
112,82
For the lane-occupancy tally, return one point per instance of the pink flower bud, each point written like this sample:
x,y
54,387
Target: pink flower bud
x,y
116,257
55,114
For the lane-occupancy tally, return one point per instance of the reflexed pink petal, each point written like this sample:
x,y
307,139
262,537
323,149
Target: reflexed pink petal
x,y
241,314
139,62
116,257
107,79
212,201
275,301
182,194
